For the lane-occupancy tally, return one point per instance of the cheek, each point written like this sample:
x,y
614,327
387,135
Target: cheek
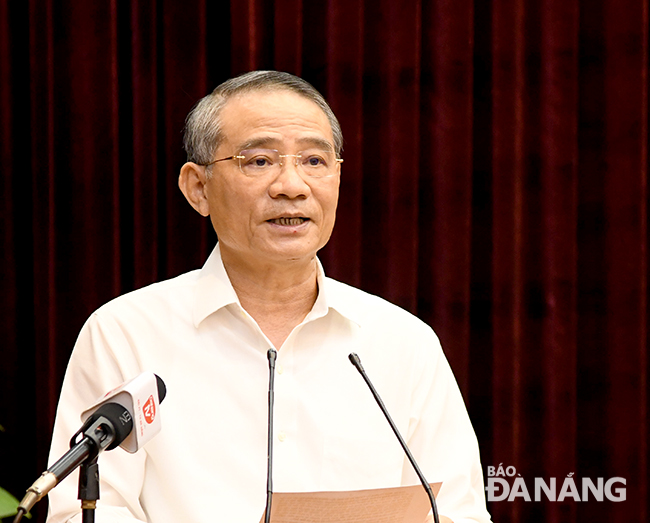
x,y
328,208
231,209
221,209
329,203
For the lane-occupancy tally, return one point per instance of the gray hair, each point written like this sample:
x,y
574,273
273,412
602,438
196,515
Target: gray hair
x,y
203,133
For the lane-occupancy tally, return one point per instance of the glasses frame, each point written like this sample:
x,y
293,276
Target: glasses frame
x,y
240,157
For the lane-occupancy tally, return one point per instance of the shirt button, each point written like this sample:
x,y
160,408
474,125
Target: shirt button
x,y
282,436
280,369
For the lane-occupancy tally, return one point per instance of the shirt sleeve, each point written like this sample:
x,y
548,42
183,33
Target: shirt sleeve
x,y
442,437
93,370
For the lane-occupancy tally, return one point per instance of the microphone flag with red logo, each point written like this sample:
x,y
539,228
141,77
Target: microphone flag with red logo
x,y
140,396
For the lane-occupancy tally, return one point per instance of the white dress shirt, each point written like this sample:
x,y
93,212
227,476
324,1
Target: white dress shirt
x,y
208,463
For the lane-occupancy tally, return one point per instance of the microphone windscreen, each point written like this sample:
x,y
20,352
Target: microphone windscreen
x,y
120,418
162,390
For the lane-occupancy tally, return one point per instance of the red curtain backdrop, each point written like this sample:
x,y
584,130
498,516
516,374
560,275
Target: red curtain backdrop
x,y
495,184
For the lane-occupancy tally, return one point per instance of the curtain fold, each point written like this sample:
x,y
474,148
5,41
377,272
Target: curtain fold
x,y
494,184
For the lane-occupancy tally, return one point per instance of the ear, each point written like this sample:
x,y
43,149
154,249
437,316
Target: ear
x,y
192,183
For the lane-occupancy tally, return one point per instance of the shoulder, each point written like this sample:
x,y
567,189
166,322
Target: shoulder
x,y
138,324
389,339
160,298
374,313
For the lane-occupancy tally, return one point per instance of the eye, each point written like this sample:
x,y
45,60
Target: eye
x,y
258,159
313,159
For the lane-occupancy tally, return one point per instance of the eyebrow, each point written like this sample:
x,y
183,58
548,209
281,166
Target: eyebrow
x,y
318,142
268,141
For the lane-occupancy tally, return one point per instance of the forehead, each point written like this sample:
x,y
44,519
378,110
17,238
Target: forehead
x,y
279,117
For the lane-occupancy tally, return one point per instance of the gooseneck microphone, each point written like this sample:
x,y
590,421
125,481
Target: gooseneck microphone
x,y
356,361
271,355
106,428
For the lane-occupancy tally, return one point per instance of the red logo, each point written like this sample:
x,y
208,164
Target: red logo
x,y
149,410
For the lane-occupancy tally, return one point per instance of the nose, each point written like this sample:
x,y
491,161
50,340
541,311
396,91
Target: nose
x,y
289,183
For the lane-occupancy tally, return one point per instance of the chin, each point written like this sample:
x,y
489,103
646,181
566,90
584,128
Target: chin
x,y
292,257
291,253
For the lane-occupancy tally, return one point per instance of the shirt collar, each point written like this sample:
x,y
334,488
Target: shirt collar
x,y
214,291
334,295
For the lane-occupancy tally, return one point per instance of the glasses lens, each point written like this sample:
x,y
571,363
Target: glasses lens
x,y
317,162
257,162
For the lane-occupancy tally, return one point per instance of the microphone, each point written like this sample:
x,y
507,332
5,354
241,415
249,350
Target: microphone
x,y
356,361
108,424
271,355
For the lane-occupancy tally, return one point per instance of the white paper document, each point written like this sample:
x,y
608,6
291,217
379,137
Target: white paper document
x,y
389,505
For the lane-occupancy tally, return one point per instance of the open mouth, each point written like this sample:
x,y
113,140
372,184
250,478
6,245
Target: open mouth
x,y
289,221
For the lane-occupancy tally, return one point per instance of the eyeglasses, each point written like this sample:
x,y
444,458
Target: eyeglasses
x,y
316,163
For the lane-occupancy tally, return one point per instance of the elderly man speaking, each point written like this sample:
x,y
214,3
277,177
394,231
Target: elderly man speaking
x,y
264,164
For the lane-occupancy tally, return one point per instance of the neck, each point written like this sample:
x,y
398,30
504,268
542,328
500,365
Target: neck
x,y
277,296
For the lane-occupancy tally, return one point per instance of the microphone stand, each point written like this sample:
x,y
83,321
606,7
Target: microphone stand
x,y
356,361
89,489
271,355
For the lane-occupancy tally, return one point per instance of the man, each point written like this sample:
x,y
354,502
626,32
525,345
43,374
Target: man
x,y
263,164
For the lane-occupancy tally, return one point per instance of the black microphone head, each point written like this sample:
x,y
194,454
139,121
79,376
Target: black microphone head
x,y
118,416
355,360
162,390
